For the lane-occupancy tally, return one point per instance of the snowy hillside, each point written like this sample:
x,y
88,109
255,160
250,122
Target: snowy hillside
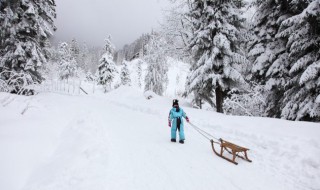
x,y
177,74
120,140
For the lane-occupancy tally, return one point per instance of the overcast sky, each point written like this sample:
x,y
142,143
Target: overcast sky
x,y
92,20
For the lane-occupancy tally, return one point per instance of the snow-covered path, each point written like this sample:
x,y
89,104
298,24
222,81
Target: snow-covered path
x,y
121,141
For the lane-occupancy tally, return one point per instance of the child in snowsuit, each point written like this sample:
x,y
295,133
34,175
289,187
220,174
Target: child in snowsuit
x,y
175,115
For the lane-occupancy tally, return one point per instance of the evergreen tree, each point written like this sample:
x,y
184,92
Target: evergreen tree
x,y
153,79
67,63
75,48
215,44
156,78
26,27
85,56
125,74
107,68
268,53
302,92
139,71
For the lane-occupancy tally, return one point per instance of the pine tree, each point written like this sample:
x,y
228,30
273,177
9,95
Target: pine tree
x,y
302,92
67,63
139,71
26,27
75,48
156,78
268,53
215,44
125,74
107,68
153,79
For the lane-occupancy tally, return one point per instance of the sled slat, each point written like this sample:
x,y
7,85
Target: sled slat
x,y
232,149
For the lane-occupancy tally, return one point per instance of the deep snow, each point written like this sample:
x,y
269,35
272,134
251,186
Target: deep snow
x,y
120,140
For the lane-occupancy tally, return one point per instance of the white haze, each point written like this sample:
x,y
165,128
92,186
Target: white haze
x,y
91,21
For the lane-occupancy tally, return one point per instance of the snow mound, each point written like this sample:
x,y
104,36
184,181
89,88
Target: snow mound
x,y
149,94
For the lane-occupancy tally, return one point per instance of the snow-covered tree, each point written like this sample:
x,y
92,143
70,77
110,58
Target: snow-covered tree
x,y
302,92
134,50
139,71
125,74
215,44
67,63
75,48
268,53
81,53
156,78
153,79
177,30
250,102
26,27
107,67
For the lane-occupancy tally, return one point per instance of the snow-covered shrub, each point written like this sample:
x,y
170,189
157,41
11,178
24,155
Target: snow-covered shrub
x,y
149,94
4,86
250,103
17,82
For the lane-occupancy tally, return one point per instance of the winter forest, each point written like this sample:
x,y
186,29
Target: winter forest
x,y
265,65
220,94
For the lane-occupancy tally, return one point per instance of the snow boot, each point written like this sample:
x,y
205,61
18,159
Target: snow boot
x,y
181,141
173,140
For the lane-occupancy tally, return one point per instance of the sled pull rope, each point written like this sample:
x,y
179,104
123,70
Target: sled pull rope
x,y
204,133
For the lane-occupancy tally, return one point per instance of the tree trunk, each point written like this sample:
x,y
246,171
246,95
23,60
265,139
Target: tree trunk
x,y
284,5
219,99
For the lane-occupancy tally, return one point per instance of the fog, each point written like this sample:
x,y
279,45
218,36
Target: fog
x,y
91,21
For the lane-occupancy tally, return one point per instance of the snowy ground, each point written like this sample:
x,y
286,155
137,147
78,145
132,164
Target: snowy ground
x,y
120,140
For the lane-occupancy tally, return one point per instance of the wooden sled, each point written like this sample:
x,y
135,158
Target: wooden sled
x,y
233,149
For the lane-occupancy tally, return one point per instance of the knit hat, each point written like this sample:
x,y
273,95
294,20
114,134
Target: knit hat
x,y
175,102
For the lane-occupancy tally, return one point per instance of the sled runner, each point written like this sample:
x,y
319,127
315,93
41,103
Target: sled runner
x,y
233,149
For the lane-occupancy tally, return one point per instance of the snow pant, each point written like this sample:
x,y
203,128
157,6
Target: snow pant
x,y
177,125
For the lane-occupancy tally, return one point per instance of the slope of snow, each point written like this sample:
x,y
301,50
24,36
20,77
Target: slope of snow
x,y
121,140
177,75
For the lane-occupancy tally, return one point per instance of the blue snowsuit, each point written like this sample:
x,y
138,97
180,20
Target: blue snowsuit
x,y
173,116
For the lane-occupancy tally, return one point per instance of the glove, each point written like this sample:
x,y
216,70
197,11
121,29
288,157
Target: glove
x,y
169,123
187,119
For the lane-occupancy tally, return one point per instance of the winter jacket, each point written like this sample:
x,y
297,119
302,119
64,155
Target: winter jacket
x,y
174,116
